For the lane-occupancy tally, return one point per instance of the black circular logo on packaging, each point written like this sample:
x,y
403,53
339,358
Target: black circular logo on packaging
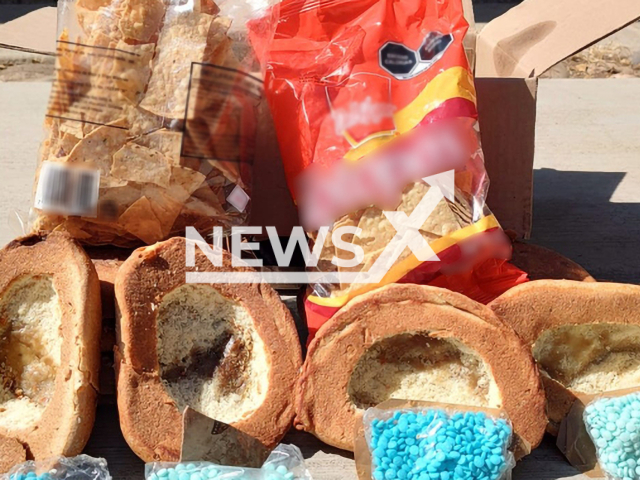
x,y
404,63
397,59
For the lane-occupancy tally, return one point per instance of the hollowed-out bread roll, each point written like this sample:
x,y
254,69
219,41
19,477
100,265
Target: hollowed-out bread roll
x,y
545,264
416,343
229,351
49,345
585,337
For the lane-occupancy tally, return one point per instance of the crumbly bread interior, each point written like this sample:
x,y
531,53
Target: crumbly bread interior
x,y
591,358
211,356
30,349
415,366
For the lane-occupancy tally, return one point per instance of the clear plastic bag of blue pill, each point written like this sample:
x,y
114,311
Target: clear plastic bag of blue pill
x,y
82,467
408,439
605,429
284,463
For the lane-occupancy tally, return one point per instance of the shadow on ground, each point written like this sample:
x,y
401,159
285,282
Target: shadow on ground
x,y
573,214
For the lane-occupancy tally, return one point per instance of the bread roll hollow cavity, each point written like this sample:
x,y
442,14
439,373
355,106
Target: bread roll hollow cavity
x,y
30,349
211,357
50,325
591,358
414,365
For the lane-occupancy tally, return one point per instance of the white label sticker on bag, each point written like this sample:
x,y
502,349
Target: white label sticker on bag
x,y
67,190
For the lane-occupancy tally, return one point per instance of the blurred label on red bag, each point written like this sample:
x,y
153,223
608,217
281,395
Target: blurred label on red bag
x,y
375,112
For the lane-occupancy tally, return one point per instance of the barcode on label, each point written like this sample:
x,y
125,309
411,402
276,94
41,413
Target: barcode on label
x,y
67,190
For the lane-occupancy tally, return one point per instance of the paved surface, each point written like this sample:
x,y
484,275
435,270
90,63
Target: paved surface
x,y
587,206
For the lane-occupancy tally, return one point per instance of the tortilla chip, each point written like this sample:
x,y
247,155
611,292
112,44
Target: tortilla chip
x,y
182,41
441,222
114,200
92,4
329,250
98,25
73,229
184,182
68,84
72,127
226,170
350,220
97,79
132,75
136,163
164,141
57,143
206,6
97,148
210,197
165,207
464,181
463,207
140,121
141,221
218,43
140,19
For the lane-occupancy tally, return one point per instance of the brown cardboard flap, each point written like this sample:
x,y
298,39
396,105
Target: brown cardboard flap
x,y
34,32
507,112
535,35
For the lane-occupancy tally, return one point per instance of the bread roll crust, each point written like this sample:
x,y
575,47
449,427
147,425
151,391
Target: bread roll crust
x,y
323,406
544,264
150,419
67,420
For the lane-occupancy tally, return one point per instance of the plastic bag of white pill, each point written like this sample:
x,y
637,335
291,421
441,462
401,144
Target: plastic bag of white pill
x,y
421,441
82,467
612,422
284,463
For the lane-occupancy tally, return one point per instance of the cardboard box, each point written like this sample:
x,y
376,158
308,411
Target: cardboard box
x,y
509,54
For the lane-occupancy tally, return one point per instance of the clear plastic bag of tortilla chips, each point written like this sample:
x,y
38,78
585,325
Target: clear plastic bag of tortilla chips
x,y
153,121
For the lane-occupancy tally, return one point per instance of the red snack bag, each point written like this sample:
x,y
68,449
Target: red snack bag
x,y
375,112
